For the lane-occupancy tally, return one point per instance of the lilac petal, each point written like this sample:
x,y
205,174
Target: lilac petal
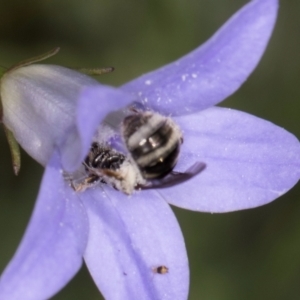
x,y
129,236
249,161
94,104
213,71
51,250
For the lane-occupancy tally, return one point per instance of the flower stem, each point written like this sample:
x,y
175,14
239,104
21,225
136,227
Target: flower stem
x,y
14,150
2,71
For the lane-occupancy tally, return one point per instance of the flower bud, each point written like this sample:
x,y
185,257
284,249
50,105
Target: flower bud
x,y
39,105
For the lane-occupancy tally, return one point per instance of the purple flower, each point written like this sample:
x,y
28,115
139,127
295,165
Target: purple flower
x,y
249,162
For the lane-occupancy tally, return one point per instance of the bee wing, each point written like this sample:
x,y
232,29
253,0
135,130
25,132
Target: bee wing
x,y
175,178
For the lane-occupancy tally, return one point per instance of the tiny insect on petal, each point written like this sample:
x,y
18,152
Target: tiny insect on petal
x,y
161,270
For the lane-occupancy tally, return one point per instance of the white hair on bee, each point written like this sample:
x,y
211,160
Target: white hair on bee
x,y
124,179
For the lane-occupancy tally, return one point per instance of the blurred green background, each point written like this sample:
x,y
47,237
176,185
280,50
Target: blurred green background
x,y
252,254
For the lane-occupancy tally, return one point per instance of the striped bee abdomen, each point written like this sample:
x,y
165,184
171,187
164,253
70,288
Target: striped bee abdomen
x,y
153,142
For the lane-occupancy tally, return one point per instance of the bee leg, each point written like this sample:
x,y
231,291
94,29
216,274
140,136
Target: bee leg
x,y
136,107
112,173
86,183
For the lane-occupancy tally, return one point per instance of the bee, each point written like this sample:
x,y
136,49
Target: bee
x,y
160,270
106,165
153,143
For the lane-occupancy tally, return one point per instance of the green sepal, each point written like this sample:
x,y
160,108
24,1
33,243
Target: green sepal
x,y
14,150
2,71
35,59
95,71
